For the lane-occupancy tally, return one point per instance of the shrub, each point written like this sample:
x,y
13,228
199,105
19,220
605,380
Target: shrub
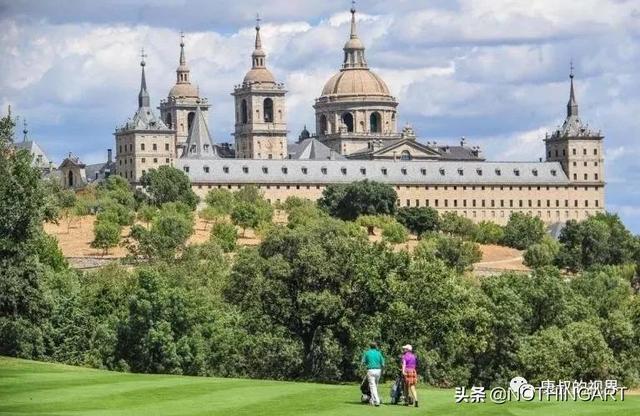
x,y
226,235
168,184
394,232
220,202
523,230
542,254
454,251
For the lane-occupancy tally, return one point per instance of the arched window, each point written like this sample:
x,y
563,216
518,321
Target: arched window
x,y
190,118
70,179
324,129
405,155
347,119
168,122
374,123
267,110
243,111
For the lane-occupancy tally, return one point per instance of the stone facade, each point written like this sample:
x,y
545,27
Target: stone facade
x,y
261,124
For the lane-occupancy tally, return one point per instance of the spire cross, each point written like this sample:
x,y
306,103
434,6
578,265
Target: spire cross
x,y
258,21
142,56
181,38
571,68
25,131
353,6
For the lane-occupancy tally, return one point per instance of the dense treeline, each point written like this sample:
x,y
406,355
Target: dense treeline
x,y
305,302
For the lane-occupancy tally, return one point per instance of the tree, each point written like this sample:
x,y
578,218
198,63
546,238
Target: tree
x,y
249,194
168,184
487,232
106,235
419,220
599,240
225,235
301,211
366,197
208,215
523,230
146,214
454,224
245,215
320,284
168,235
67,201
7,125
458,253
220,201
116,188
542,254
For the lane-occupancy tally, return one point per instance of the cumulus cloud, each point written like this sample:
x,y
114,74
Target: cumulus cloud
x,y
494,71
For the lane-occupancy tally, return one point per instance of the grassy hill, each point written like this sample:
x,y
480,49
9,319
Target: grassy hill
x,y
28,387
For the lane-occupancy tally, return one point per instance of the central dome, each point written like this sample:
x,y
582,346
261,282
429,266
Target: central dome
x,y
184,90
355,82
259,75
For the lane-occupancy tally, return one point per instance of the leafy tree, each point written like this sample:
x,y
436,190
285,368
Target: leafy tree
x,y
107,234
208,215
249,194
487,232
600,240
301,211
320,284
454,224
419,220
542,254
225,235
112,211
394,232
523,230
168,184
67,201
7,125
458,253
168,234
117,188
220,201
251,215
348,202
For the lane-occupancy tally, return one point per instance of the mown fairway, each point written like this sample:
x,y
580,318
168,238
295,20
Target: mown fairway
x,y
28,387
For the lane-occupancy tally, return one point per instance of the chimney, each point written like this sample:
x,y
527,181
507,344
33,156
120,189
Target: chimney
x,y
109,156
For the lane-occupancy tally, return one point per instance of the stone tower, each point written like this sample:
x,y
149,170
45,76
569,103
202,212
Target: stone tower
x,y
355,107
577,147
178,111
261,127
144,142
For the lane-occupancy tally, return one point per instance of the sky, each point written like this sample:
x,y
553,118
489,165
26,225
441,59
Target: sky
x,y
492,71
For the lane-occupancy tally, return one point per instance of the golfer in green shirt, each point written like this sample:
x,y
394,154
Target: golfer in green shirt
x,y
374,361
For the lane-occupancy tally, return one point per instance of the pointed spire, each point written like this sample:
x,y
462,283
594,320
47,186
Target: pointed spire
x,y
24,130
354,48
572,105
143,96
182,73
258,56
199,143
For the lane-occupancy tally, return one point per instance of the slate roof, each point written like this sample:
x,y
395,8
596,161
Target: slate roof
x,y
199,144
396,172
40,158
312,149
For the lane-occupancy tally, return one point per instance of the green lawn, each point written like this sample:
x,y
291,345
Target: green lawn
x,y
28,387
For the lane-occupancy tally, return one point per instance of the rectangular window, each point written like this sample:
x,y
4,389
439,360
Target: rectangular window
x,y
408,203
141,146
446,202
155,146
436,202
166,147
417,202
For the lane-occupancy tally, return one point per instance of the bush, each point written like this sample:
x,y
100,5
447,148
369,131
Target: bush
x,y
419,220
523,230
487,232
168,234
226,235
112,211
220,202
394,232
454,251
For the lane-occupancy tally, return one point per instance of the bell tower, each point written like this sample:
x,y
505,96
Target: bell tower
x,y
260,127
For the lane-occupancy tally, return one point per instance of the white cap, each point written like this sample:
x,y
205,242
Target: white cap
x,y
407,347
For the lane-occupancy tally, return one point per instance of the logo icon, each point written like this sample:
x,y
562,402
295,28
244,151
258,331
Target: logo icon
x,y
521,388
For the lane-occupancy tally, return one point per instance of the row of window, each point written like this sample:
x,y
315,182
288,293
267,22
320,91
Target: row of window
x,y
154,146
492,203
586,176
574,151
384,171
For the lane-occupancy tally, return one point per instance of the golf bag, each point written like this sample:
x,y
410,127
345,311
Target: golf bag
x,y
365,390
397,389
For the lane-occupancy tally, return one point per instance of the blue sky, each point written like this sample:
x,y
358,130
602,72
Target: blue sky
x,y
493,71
